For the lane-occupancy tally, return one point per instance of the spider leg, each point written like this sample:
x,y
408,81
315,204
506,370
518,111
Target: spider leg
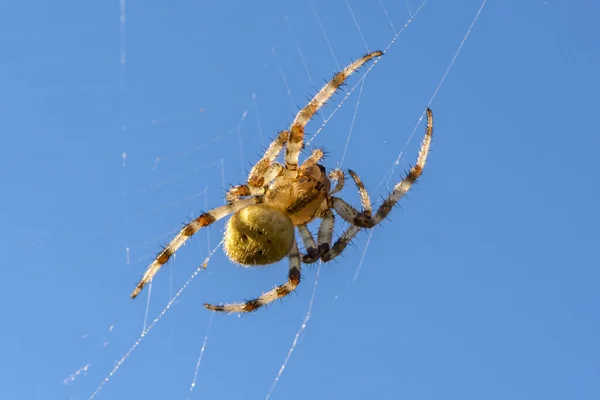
x,y
264,171
324,238
185,233
309,245
340,244
314,251
325,251
365,200
296,140
279,292
365,219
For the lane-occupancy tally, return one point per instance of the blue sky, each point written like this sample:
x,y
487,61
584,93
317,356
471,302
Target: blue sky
x,y
483,285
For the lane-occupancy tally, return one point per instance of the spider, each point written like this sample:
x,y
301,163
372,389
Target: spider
x,y
277,198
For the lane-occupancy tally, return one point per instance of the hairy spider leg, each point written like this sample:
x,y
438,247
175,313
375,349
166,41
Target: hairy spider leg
x,y
310,246
365,200
272,295
325,234
296,139
324,238
364,218
187,232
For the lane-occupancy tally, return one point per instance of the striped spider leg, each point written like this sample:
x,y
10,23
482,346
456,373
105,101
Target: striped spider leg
x,y
296,139
186,232
358,220
272,295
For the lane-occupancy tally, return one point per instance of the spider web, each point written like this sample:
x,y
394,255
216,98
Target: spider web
x,y
177,160
122,119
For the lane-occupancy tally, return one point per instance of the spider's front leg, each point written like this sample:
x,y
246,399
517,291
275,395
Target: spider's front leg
x,y
296,140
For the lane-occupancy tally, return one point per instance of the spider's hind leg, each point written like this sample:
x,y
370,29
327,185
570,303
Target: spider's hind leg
x,y
277,293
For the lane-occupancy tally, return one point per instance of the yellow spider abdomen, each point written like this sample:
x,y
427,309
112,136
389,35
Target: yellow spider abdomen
x,y
258,235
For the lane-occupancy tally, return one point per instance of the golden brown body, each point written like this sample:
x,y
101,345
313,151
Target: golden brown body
x,y
262,234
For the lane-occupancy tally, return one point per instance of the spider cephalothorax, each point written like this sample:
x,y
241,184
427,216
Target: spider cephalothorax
x,y
278,198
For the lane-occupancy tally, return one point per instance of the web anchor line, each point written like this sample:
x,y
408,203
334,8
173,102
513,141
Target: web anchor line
x,y
154,322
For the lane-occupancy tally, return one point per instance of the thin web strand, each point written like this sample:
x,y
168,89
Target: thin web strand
x,y
362,256
433,96
206,228
165,235
122,112
299,49
258,122
143,335
371,66
408,8
352,124
300,331
193,384
362,37
325,35
153,323
170,282
147,306
170,180
126,163
199,147
387,16
240,141
392,169
223,185
283,77
301,55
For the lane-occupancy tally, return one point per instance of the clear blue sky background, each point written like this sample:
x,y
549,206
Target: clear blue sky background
x,y
484,285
